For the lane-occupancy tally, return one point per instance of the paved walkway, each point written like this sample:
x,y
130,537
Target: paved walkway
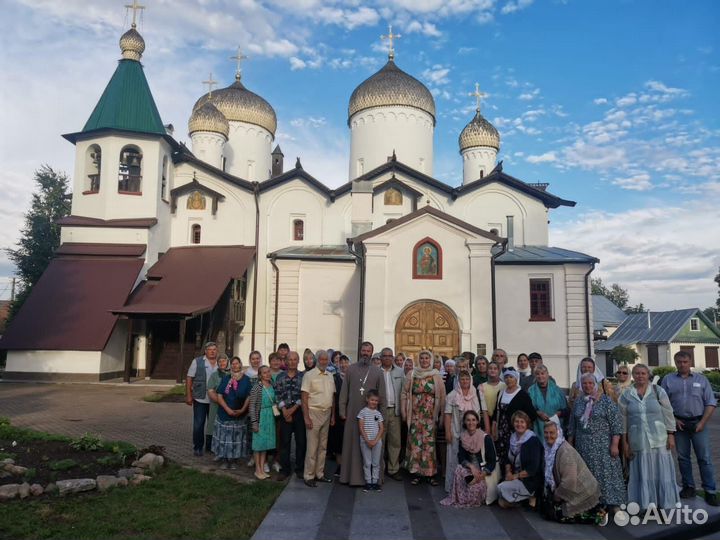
x,y
401,511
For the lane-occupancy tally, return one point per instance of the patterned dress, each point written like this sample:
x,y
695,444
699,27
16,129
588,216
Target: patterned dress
x,y
593,445
264,438
420,454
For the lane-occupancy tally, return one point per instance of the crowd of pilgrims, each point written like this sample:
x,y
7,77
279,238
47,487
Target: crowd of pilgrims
x,y
490,431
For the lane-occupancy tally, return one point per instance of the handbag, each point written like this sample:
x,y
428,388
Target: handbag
x,y
275,409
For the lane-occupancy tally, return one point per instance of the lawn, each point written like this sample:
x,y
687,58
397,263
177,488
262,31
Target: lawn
x,y
177,503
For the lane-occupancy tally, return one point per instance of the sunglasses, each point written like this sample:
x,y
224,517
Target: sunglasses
x,y
621,373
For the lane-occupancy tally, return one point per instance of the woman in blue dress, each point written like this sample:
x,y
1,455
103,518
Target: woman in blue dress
x,y
262,420
229,442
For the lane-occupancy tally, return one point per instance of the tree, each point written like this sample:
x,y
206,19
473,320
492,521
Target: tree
x,y
713,314
616,294
40,236
624,355
717,280
639,308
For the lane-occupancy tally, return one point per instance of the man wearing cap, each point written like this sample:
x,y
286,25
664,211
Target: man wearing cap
x,y
196,394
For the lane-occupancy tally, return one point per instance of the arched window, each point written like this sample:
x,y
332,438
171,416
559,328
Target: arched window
x,y
130,170
427,259
93,166
196,234
298,230
164,179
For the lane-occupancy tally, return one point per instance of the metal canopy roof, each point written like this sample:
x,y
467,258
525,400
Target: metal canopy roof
x,y
544,255
313,253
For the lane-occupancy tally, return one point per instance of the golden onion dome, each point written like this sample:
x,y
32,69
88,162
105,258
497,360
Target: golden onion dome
x,y
208,118
132,44
239,104
479,132
391,86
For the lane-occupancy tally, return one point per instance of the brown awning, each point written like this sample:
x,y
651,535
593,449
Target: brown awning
x,y
101,250
69,307
188,281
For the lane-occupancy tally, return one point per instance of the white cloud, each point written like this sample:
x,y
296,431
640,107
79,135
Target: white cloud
x,y
624,101
424,28
347,18
669,260
310,121
658,86
296,63
437,74
600,101
637,182
515,5
547,157
530,95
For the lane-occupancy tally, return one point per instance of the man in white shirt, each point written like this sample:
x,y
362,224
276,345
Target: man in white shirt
x,y
394,379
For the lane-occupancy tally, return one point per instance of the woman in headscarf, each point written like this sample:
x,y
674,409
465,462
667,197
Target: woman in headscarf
x,y
422,402
623,380
480,374
523,464
594,430
526,373
229,441
587,365
308,360
223,369
458,402
474,462
491,389
511,400
649,437
572,495
547,399
449,375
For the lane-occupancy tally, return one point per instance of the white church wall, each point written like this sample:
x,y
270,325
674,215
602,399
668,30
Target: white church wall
x,y
104,235
328,299
489,206
281,206
376,132
112,357
53,363
247,152
382,212
464,287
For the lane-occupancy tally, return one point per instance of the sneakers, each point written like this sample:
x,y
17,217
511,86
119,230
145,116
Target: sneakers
x,y
368,488
337,471
310,483
687,492
233,466
224,466
712,499
604,520
266,468
251,462
276,467
376,487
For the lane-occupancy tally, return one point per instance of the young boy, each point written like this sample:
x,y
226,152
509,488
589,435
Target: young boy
x,y
372,428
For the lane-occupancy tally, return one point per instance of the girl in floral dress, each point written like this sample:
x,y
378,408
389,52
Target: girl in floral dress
x,y
422,402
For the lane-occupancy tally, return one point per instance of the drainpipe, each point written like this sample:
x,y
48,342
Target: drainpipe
x,y
257,260
277,299
587,310
503,249
360,258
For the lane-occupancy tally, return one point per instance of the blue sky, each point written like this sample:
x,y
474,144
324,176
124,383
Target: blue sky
x,y
612,102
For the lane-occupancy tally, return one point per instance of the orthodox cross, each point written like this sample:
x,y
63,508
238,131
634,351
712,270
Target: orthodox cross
x,y
390,37
210,82
135,6
239,57
478,95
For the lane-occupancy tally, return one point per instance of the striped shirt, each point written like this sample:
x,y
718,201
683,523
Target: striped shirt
x,y
371,420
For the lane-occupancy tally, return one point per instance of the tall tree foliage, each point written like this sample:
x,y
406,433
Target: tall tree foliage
x,y
40,236
615,293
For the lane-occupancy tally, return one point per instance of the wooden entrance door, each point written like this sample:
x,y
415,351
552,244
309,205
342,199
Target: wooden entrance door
x,y
427,325
711,357
653,357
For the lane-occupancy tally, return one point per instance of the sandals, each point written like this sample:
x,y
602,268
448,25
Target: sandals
x,y
415,481
433,482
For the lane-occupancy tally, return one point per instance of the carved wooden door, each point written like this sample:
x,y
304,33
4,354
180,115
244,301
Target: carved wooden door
x,y
427,325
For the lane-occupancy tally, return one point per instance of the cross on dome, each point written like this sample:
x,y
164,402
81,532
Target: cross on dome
x,y
135,6
390,37
210,82
478,95
239,57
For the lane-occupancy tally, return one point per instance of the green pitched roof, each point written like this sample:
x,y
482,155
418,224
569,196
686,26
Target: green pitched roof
x,y
126,103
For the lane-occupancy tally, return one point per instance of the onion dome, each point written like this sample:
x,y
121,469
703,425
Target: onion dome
x,y
237,103
208,118
391,86
132,44
479,132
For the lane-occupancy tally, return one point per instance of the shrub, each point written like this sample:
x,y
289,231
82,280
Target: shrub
x,y
714,377
662,371
88,442
124,450
30,474
110,461
63,465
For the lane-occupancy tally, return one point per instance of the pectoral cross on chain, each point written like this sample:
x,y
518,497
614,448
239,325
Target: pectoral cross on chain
x,y
362,391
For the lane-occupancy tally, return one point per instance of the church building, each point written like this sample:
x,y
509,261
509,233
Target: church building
x,y
167,247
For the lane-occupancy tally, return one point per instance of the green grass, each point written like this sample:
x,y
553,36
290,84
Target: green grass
x,y
23,435
177,390
63,464
178,503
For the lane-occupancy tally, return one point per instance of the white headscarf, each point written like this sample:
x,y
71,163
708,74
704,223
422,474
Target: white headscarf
x,y
599,377
550,452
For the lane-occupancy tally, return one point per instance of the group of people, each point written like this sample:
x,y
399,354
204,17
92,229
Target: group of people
x,y
496,432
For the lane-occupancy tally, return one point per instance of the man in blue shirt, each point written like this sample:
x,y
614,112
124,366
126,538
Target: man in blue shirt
x,y
288,392
693,403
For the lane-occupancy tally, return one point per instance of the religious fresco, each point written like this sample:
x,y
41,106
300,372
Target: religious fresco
x,y
393,197
426,259
196,201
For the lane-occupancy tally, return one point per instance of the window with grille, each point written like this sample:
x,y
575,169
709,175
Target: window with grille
x,y
298,229
196,234
540,300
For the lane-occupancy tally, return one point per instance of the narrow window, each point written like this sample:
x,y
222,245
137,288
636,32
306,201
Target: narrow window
x,y
298,230
196,233
93,166
164,180
130,170
540,300
695,325
360,167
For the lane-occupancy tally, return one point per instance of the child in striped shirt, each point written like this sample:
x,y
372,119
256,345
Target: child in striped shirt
x,y
372,428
